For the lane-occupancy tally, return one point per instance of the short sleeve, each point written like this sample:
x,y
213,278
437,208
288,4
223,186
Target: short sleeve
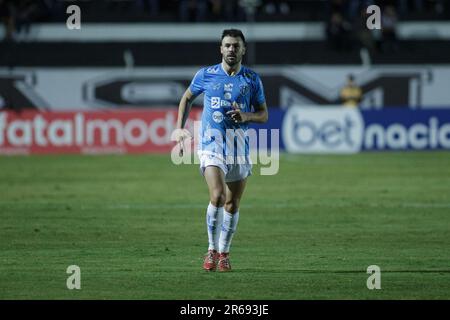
x,y
258,97
197,84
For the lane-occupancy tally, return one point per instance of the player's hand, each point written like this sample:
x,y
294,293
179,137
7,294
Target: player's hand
x,y
237,115
180,136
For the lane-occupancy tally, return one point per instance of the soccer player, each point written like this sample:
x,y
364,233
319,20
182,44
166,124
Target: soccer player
x,y
233,97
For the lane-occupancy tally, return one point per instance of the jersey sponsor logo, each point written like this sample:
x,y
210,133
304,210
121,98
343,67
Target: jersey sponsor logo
x,y
215,102
214,69
217,116
225,103
228,87
227,95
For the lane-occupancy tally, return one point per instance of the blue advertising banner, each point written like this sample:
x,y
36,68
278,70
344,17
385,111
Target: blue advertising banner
x,y
406,129
336,129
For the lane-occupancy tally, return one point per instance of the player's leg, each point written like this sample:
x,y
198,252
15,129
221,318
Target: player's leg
x,y
233,195
234,192
215,179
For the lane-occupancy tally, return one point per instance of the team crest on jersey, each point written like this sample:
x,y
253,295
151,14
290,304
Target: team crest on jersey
x,y
228,87
243,89
214,69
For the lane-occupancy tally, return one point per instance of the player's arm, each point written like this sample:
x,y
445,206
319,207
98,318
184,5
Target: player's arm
x,y
183,112
184,108
259,116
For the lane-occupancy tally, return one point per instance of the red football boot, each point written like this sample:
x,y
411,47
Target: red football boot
x,y
224,262
210,262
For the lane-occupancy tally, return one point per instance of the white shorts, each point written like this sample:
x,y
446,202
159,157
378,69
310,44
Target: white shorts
x,y
233,172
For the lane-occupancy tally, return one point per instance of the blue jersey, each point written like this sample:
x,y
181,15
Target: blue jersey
x,y
221,90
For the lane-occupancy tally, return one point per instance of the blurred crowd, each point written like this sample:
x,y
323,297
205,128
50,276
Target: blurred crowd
x,y
347,29
18,15
345,18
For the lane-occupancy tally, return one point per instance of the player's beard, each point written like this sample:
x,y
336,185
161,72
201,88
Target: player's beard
x,y
232,62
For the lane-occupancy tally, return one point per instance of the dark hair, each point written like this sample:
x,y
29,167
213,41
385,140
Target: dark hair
x,y
235,33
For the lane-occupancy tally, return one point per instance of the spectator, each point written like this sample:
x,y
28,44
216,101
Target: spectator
x,y
277,6
232,11
389,30
351,93
193,10
216,9
354,7
404,7
337,6
437,7
338,32
7,19
363,37
25,12
52,10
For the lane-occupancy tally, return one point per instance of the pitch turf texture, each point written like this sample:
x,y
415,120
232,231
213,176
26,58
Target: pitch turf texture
x,y
135,225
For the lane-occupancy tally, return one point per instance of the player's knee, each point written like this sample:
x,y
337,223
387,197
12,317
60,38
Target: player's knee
x,y
232,206
217,198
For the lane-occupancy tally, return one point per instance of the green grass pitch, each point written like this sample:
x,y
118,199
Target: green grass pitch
x,y
135,225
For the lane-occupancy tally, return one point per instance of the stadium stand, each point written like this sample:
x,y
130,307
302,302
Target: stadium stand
x,y
32,32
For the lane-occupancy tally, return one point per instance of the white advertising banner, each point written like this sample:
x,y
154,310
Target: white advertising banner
x,y
416,87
